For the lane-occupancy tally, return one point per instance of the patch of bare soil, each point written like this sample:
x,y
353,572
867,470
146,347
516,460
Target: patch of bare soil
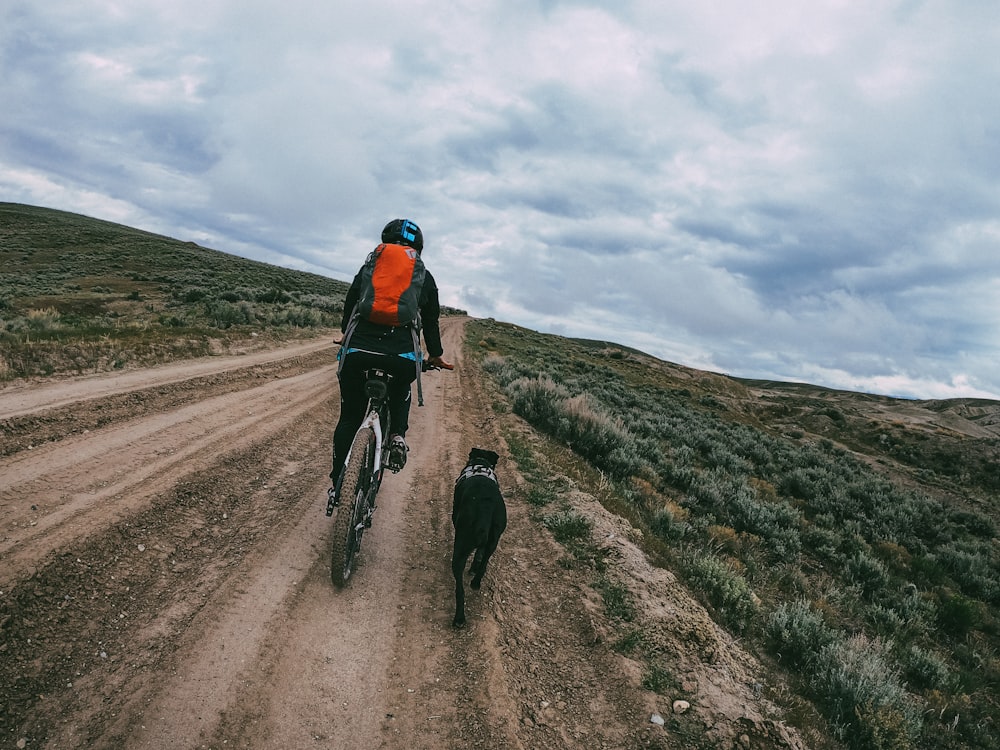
x,y
164,583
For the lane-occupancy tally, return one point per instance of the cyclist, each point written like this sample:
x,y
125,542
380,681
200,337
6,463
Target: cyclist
x,y
389,348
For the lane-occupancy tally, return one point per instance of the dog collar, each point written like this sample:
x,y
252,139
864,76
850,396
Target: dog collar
x,y
472,471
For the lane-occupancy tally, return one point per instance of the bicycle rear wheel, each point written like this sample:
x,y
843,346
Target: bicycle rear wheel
x,y
348,524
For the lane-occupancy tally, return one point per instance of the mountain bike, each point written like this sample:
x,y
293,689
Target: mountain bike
x,y
359,482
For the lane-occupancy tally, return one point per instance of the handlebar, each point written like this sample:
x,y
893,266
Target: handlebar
x,y
425,366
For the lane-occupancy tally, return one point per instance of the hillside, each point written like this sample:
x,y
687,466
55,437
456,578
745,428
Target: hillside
x,y
851,538
81,295
804,567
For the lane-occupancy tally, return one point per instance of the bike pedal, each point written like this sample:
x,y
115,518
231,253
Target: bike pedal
x,y
332,501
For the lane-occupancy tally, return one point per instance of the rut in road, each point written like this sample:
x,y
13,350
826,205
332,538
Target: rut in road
x,y
122,468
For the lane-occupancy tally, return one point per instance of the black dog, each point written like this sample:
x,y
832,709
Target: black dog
x,y
479,516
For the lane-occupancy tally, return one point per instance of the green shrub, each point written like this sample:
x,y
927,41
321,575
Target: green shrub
x,y
193,295
727,591
296,316
918,612
971,569
862,696
630,641
576,421
776,522
568,526
926,669
957,614
658,679
46,319
596,436
866,572
222,314
821,541
797,634
270,296
883,727
666,526
537,400
540,496
884,620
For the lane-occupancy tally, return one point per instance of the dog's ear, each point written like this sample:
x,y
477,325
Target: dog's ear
x,y
482,457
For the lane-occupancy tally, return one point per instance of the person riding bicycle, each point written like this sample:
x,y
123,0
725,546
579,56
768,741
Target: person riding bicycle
x,y
388,348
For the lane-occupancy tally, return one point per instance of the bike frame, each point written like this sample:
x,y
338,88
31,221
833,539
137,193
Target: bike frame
x,y
359,503
374,422
378,420
377,389
360,480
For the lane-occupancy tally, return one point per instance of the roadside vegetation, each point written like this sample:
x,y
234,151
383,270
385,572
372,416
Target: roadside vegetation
x,y
81,295
866,576
552,478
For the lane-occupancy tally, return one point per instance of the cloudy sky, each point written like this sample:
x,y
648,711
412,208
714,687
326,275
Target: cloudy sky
x,y
767,188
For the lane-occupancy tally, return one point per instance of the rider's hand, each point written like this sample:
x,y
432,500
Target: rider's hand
x,y
439,362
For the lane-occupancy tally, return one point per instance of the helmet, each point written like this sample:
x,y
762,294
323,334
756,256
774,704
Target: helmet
x,y
403,232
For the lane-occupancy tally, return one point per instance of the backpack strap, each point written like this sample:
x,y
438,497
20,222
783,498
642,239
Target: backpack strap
x,y
345,342
418,359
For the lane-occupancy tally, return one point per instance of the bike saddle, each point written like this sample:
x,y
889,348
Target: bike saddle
x,y
377,384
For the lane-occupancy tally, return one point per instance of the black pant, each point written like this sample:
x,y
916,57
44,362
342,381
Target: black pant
x,y
353,399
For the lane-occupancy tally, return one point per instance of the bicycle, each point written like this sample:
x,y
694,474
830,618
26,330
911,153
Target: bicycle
x,y
361,477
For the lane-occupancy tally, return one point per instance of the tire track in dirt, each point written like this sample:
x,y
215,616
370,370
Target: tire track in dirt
x,y
97,609
78,485
19,399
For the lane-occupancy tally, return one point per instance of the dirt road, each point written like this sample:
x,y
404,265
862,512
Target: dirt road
x,y
164,569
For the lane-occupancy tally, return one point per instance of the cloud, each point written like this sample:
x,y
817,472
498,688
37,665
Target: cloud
x,y
785,191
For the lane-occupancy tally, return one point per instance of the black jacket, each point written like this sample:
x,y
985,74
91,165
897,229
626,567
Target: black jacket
x,y
372,337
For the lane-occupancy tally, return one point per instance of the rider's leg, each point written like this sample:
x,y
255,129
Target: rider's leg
x,y
352,411
404,373
399,407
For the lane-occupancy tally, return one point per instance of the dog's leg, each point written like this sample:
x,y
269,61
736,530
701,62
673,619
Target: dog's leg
x,y
458,559
477,564
485,552
483,555
480,571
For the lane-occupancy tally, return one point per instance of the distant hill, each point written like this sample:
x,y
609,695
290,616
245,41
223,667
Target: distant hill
x,y
79,294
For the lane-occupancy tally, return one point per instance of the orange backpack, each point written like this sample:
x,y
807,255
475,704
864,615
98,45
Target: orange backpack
x,y
391,281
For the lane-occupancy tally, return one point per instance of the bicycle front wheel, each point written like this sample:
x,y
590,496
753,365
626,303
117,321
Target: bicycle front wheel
x,y
348,524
